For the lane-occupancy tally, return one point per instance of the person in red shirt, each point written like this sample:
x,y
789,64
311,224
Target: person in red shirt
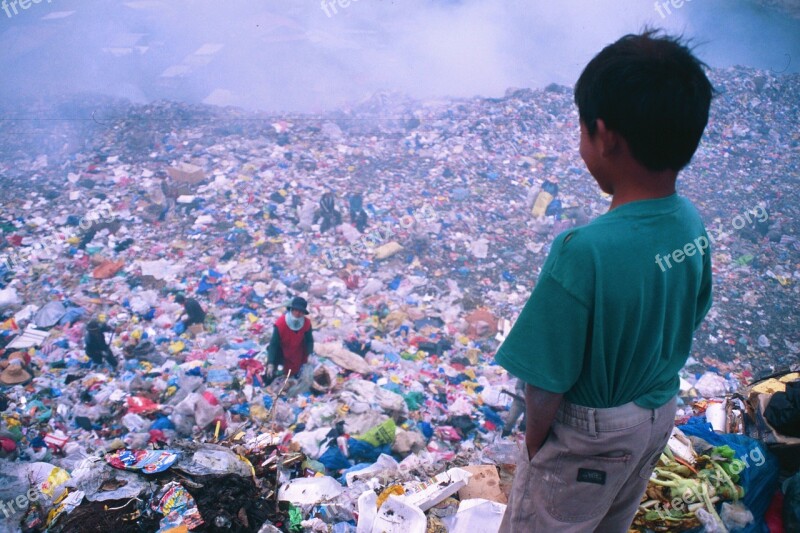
x,y
292,340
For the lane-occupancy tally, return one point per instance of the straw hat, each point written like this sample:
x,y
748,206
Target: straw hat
x,y
15,373
22,356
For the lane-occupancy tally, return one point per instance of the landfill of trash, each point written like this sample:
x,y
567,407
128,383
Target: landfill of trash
x,y
445,213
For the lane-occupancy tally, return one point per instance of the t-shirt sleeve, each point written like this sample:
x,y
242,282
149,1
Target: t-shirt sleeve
x,y
546,346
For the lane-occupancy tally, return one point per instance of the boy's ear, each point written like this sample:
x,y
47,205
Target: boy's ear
x,y
609,140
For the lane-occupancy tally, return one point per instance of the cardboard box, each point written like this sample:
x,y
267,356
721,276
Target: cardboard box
x,y
186,173
484,483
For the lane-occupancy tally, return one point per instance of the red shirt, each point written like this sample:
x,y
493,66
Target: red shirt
x,y
293,345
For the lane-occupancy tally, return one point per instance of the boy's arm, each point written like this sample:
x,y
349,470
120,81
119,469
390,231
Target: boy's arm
x,y
704,298
541,408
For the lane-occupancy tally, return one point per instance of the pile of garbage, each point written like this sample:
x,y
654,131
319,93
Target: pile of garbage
x,y
686,487
442,216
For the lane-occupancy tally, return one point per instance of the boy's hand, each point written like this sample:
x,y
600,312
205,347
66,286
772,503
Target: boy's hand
x,y
532,450
541,407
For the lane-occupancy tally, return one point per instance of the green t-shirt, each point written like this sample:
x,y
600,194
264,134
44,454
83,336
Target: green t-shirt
x,y
611,318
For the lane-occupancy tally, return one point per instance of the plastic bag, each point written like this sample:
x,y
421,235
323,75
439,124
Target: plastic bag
x,y
9,297
471,512
334,459
305,379
91,474
205,412
381,434
385,463
311,441
365,452
135,422
735,516
310,490
759,475
211,459
501,453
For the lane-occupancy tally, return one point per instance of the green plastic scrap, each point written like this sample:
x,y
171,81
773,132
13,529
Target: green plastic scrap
x,y
295,517
414,400
731,465
381,434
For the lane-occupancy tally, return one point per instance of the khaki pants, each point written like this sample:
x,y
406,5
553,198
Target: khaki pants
x,y
591,472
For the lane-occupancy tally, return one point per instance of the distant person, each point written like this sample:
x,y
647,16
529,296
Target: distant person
x,y
361,221
331,217
96,346
292,340
193,311
16,370
356,205
602,338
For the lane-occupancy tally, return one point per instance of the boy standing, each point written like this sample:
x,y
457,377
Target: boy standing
x,y
605,332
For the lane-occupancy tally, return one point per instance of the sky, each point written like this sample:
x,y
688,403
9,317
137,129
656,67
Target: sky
x,y
313,56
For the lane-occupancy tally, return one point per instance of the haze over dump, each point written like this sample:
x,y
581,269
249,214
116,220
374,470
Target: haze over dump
x,y
307,55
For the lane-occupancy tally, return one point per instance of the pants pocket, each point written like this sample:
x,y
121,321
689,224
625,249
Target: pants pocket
x,y
520,511
650,465
584,487
655,455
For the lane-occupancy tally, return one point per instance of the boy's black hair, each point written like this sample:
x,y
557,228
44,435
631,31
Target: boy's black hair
x,y
651,90
180,298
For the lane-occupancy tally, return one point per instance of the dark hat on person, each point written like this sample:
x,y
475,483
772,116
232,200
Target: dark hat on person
x,y
300,304
93,325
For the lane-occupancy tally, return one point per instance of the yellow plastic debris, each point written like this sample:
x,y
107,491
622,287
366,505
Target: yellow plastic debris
x,y
392,490
542,201
176,347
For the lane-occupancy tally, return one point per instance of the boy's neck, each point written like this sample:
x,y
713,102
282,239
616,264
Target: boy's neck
x,y
643,186
621,198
